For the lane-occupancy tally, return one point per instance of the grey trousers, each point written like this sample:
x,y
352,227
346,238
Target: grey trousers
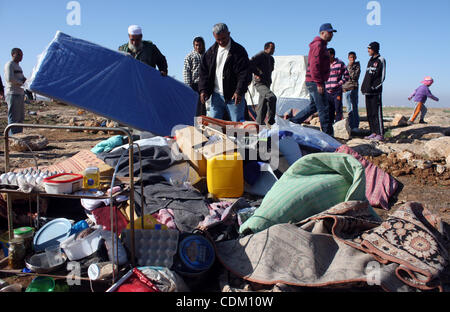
x,y
16,111
267,104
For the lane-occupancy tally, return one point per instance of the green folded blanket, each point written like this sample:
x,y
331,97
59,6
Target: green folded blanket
x,y
313,184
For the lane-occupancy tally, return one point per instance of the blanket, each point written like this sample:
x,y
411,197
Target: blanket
x,y
343,246
380,186
314,183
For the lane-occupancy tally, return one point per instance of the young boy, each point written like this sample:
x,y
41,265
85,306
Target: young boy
x,y
420,96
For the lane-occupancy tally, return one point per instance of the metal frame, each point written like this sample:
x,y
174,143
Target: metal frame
x,y
131,174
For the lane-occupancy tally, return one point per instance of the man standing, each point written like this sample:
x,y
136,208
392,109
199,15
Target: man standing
x,y
14,93
191,70
224,76
338,76
317,73
350,89
262,65
144,51
372,88
2,90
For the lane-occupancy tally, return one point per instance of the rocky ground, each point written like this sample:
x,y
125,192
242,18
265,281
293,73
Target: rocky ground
x,y
418,155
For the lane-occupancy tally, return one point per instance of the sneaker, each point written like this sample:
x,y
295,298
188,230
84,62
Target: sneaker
x,y
423,122
378,138
370,136
409,122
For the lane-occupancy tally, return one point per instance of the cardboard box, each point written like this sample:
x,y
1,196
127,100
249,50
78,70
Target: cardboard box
x,y
190,141
197,147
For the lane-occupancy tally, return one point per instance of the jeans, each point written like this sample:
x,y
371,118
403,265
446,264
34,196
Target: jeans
x,y
318,103
267,104
219,107
351,101
16,111
335,105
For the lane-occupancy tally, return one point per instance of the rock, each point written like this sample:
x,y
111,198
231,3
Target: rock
x,y
399,121
342,129
438,148
440,169
405,155
112,124
315,122
91,123
421,164
433,135
35,142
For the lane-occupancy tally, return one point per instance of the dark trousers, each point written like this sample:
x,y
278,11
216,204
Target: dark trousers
x,y
201,108
335,106
375,114
318,103
266,105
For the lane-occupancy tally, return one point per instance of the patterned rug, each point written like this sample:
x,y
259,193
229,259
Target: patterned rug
x,y
342,246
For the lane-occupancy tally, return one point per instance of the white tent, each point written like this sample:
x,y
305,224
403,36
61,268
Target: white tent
x,y
288,83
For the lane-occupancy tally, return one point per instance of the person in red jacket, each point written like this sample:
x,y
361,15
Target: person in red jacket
x,y
317,74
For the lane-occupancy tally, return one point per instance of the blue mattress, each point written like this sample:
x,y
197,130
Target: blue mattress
x,y
113,85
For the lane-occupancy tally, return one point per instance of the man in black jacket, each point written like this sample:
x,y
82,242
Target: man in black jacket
x,y
372,87
224,76
262,66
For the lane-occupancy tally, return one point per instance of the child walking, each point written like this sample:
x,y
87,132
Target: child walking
x,y
420,96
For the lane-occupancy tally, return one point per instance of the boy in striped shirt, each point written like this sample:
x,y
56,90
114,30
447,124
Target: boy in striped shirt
x,y
338,76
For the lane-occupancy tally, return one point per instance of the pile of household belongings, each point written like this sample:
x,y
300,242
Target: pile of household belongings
x,y
302,219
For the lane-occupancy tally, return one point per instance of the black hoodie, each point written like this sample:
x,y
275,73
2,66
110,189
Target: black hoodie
x,y
375,75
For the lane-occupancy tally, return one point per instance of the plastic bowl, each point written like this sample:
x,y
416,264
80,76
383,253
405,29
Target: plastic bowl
x,y
41,284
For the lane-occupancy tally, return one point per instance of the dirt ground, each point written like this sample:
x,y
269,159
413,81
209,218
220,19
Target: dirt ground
x,y
422,185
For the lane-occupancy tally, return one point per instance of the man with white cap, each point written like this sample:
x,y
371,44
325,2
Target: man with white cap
x,y
144,50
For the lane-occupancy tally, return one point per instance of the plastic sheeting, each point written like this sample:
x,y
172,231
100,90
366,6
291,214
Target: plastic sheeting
x,y
303,135
288,79
112,84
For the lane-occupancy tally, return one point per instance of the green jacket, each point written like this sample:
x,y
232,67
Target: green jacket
x,y
149,55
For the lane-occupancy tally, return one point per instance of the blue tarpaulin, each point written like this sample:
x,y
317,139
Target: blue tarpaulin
x,y
112,84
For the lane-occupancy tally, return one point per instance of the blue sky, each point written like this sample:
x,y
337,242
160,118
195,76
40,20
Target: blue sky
x,y
413,34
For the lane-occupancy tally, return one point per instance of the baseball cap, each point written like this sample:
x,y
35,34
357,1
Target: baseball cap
x,y
327,27
374,46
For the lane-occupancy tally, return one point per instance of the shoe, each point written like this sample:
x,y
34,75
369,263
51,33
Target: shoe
x,y
409,122
370,136
378,138
422,122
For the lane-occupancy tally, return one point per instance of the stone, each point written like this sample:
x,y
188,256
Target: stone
x,y
399,121
315,122
21,142
440,169
432,135
342,129
421,164
405,155
438,148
